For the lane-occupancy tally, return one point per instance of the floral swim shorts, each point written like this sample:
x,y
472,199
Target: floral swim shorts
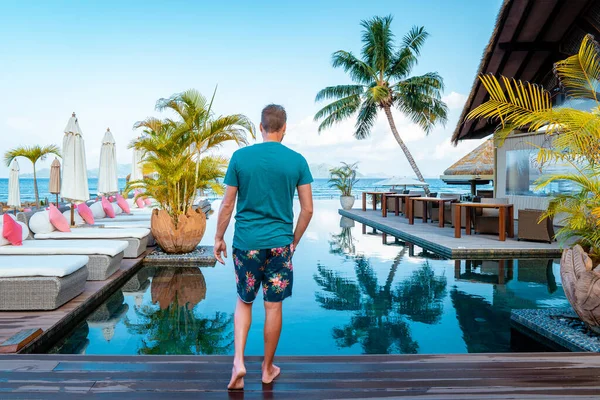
x,y
270,267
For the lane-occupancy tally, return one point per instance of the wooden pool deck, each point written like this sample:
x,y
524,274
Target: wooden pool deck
x,y
55,322
443,242
463,376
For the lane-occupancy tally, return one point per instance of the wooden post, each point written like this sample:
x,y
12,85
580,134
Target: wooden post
x,y
364,201
441,211
457,219
383,205
425,203
502,223
511,221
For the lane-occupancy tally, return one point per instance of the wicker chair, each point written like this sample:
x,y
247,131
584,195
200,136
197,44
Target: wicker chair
x,y
486,220
531,228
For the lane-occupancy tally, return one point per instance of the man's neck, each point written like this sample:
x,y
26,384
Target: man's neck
x,y
275,137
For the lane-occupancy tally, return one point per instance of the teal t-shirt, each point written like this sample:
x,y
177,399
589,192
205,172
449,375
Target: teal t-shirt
x,y
266,176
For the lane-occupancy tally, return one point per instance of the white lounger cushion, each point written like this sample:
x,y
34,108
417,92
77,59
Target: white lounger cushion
x,y
40,222
27,266
97,210
96,233
76,217
79,247
118,210
120,224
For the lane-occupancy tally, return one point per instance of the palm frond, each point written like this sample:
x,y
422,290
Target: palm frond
x,y
358,70
337,111
579,74
367,116
338,92
378,42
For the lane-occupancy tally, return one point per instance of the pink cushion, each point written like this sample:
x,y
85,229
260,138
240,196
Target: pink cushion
x,y
86,213
12,231
111,199
26,209
147,201
107,207
121,202
58,220
140,202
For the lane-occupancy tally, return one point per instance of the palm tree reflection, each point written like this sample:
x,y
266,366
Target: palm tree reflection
x,y
173,327
380,312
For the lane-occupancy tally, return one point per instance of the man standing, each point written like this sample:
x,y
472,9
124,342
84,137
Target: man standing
x,y
264,178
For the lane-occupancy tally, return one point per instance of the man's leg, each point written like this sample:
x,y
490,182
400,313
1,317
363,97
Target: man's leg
x,y
242,321
273,313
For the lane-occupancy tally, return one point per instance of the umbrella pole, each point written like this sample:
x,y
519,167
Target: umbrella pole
x,y
72,214
473,188
56,199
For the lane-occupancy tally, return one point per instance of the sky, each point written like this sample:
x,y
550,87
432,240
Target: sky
x,y
110,61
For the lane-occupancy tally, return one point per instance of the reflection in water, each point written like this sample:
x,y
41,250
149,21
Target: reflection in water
x,y
343,243
173,327
380,311
108,315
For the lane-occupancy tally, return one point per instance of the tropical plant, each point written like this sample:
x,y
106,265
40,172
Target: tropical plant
x,y
574,134
178,150
343,178
34,154
382,81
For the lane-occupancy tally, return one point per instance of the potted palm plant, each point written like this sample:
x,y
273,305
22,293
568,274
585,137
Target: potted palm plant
x,y
575,136
177,153
343,178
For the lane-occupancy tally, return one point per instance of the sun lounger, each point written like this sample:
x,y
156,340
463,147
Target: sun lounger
x,y
136,238
104,255
40,283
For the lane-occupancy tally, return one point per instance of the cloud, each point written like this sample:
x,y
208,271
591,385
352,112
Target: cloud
x,y
455,101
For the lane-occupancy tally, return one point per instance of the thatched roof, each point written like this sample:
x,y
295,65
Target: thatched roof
x,y
528,38
477,165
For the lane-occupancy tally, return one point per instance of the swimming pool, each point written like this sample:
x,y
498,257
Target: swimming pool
x,y
352,295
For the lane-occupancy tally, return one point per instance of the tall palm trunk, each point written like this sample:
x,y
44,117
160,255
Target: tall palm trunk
x,y
409,157
35,188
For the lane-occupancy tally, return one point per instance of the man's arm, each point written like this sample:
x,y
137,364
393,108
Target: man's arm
x,y
225,212
306,212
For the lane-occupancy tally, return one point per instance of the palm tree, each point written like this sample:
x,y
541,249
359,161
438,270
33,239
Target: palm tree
x,y
34,154
382,81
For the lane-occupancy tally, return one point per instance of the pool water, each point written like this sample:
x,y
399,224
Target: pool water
x,y
352,295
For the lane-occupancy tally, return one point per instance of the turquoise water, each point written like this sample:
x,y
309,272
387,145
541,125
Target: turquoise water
x,y
352,295
320,188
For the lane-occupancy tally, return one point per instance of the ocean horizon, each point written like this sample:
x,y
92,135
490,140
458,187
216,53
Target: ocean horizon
x,y
321,190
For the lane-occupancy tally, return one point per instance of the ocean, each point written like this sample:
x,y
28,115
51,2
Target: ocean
x,y
321,189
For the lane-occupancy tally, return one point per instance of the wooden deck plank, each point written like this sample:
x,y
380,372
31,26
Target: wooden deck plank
x,y
442,240
462,376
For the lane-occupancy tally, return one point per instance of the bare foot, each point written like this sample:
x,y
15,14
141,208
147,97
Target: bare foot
x,y
269,374
237,377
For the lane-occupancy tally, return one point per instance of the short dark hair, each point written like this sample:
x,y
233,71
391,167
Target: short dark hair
x,y
273,117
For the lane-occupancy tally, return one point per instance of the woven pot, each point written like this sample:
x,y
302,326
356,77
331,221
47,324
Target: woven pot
x,y
183,239
581,283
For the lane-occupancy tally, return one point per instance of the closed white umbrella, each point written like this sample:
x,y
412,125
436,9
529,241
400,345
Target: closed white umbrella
x,y
14,193
136,166
107,176
74,185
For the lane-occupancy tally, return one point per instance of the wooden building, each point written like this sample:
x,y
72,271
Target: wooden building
x,y
529,37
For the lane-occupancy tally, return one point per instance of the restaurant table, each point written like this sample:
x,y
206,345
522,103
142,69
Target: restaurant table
x,y
440,202
502,210
396,197
374,196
